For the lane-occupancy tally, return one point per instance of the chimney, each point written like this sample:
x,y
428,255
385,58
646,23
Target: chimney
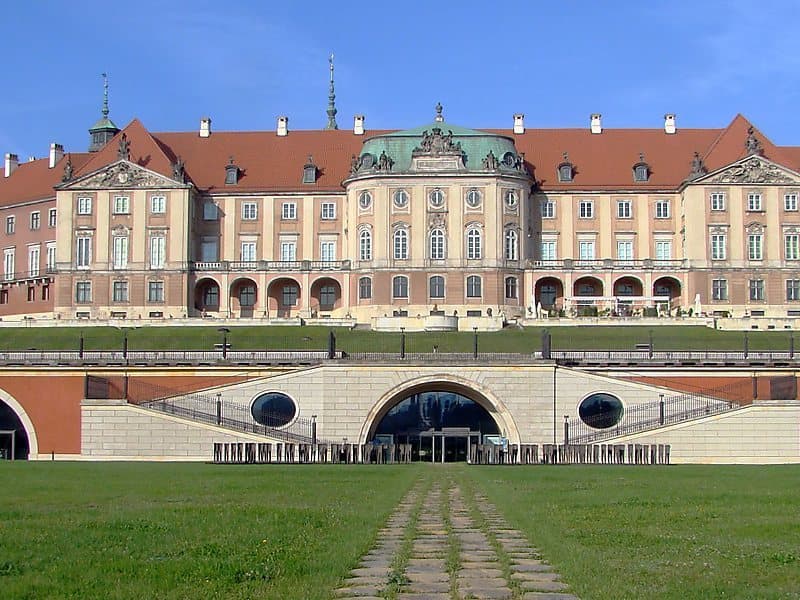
x,y
519,123
283,126
597,126
31,158
669,123
12,162
56,154
358,125
205,127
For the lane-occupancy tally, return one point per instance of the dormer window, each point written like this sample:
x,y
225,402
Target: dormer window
x,y
310,171
641,170
566,170
231,173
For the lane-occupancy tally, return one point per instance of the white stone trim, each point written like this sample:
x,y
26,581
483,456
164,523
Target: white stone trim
x,y
33,441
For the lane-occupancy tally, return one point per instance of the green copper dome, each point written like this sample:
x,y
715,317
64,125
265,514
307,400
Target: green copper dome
x,y
479,150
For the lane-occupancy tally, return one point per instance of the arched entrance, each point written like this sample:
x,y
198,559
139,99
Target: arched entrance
x,y
14,443
244,297
284,297
326,294
628,286
667,286
206,296
549,292
441,417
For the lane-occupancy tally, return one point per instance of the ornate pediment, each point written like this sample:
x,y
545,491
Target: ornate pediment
x,y
753,169
122,174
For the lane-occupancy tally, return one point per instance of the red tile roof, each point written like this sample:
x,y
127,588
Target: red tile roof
x,y
35,180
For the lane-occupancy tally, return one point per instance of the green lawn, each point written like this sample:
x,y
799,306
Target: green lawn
x,y
300,338
86,530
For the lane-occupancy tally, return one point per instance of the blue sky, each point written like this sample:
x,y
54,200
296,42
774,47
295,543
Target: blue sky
x,y
244,63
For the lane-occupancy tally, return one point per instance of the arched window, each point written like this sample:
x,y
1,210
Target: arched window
x,y
474,243
437,244
474,286
436,286
512,245
400,286
511,287
364,288
365,244
401,244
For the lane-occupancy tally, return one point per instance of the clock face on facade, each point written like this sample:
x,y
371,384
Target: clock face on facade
x,y
400,199
473,198
436,198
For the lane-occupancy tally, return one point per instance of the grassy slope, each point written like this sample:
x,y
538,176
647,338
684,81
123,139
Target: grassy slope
x,y
187,531
675,532
298,338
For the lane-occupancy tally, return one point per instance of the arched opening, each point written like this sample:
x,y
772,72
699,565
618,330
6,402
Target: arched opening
x,y
628,286
587,286
440,420
667,286
549,292
326,294
13,436
284,296
206,296
244,297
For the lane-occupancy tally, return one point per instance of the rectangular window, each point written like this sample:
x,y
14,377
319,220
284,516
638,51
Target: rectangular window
x,y
662,209
83,292
158,205
328,211
155,291
717,201
791,244
719,289
34,255
288,251
327,251
249,211
586,250
549,250
31,293
158,251
50,264
11,224
46,292
755,249
85,205
624,209
289,295
754,202
36,220
120,291
793,289
625,250
474,286
400,287
364,288
210,211
289,211
548,209
52,217
120,252
586,209
209,249
83,252
248,253
790,202
121,205
8,264
663,249
718,246
756,289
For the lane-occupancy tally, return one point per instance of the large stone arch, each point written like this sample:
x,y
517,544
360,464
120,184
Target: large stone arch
x,y
33,442
473,390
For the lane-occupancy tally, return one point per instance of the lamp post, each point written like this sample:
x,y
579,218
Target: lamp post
x,y
402,342
475,342
314,430
650,344
219,408
224,331
661,409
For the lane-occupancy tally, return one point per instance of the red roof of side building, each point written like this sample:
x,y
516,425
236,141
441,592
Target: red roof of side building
x,y
35,180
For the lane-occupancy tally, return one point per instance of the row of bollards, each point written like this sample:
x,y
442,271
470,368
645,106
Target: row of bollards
x,y
294,453
606,454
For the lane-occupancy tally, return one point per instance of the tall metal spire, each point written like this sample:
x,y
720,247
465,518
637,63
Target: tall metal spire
x,y
105,110
102,131
331,102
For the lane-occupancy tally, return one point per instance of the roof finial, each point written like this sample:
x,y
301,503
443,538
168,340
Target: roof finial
x,y
105,95
331,101
439,118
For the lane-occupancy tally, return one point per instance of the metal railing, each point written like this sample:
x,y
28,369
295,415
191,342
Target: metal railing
x,y
271,265
671,355
606,263
653,415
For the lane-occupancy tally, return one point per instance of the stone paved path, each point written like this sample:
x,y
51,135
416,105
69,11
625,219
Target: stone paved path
x,y
440,545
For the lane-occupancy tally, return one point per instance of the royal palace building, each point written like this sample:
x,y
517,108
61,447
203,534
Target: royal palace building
x,y
442,222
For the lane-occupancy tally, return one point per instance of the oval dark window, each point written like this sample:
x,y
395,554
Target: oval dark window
x,y
601,411
273,409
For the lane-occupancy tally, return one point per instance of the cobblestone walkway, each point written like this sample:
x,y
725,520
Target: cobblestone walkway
x,y
441,545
